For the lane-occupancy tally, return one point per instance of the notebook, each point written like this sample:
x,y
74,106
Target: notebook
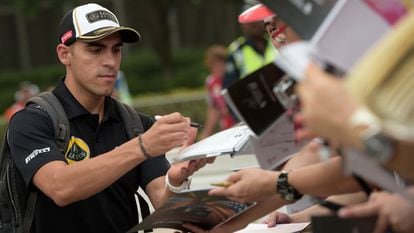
x,y
227,142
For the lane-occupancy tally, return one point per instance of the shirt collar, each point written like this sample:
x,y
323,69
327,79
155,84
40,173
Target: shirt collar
x,y
74,109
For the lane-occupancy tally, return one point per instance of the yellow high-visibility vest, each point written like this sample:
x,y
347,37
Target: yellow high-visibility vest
x,y
247,59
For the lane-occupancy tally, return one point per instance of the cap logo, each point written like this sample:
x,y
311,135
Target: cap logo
x,y
66,36
100,15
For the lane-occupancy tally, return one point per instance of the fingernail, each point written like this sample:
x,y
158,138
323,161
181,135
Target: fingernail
x,y
342,213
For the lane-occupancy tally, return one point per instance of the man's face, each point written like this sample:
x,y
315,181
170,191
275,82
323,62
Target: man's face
x,y
253,30
93,66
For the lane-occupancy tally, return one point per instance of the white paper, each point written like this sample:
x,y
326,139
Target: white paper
x,y
348,31
294,58
229,141
276,145
279,228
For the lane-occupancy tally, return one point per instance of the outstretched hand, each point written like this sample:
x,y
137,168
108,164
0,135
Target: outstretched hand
x,y
248,185
178,172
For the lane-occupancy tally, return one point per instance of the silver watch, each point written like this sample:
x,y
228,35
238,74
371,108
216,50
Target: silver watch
x,y
379,146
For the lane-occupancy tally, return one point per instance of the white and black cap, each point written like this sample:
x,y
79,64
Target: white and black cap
x,y
92,22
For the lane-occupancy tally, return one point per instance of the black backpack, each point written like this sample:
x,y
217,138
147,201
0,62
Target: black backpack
x,y
17,205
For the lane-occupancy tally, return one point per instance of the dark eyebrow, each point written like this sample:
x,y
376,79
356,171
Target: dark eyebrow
x,y
94,44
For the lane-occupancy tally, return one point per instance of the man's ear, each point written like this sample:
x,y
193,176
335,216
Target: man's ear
x,y
63,53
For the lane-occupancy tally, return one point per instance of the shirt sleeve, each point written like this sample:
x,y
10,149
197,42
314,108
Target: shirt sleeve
x,y
31,141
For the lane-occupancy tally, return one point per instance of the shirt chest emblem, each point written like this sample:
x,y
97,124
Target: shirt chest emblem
x,y
77,150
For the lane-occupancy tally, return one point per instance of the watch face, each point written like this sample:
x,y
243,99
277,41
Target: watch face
x,y
380,147
286,191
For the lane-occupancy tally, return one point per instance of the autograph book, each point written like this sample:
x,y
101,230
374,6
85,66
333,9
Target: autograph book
x,y
255,102
266,129
252,98
227,142
195,207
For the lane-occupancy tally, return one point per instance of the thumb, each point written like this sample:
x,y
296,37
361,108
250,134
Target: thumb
x,y
191,136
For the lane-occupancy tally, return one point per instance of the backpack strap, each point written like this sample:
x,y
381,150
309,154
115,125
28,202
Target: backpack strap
x,y
131,119
50,103
30,211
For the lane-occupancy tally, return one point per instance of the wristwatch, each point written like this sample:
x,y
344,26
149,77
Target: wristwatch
x,y
285,190
176,189
379,146
375,143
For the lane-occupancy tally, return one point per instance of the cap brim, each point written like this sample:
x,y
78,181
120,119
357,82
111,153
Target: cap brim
x,y
255,13
128,35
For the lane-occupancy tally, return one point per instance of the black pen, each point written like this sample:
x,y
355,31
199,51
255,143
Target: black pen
x,y
335,207
192,124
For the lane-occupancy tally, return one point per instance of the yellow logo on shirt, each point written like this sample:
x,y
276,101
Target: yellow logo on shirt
x,y
77,151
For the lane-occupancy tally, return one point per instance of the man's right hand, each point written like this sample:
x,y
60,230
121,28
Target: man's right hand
x,y
169,131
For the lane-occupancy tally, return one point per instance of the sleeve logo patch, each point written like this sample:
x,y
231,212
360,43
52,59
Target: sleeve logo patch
x,y
35,153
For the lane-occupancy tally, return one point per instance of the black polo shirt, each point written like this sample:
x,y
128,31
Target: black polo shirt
x,y
33,145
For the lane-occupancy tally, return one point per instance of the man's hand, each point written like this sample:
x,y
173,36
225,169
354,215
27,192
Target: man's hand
x,y
325,103
181,171
170,131
392,209
249,185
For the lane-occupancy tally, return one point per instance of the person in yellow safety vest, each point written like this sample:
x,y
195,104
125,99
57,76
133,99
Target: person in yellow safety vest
x,y
248,52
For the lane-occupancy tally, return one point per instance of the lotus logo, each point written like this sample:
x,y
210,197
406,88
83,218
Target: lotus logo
x,y
77,150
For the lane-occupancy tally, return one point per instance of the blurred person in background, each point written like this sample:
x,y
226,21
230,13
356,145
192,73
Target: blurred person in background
x,y
121,89
217,111
248,52
26,91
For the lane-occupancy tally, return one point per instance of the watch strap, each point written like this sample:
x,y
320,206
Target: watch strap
x,y
285,190
375,143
